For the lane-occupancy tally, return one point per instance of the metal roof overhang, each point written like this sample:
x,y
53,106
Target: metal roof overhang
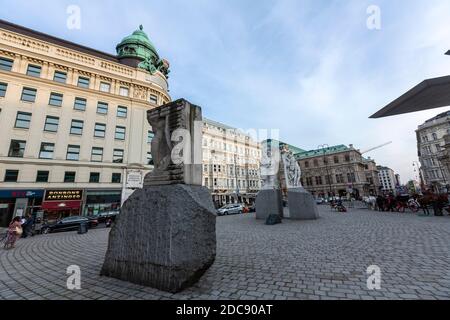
x,y
430,94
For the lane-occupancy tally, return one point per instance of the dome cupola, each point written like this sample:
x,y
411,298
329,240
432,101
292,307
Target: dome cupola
x,y
137,50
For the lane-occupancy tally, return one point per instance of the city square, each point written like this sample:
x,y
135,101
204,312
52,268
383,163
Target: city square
x,y
321,259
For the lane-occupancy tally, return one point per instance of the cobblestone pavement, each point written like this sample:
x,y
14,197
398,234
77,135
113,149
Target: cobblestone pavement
x,y
323,259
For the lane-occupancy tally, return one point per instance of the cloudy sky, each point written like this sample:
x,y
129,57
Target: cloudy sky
x,y
310,68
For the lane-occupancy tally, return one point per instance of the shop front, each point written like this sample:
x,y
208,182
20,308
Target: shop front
x,y
99,201
18,203
59,204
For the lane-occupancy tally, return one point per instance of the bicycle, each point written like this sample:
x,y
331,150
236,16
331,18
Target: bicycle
x,y
3,237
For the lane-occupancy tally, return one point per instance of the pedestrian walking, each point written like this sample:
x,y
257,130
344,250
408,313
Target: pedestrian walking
x,y
27,226
14,232
380,203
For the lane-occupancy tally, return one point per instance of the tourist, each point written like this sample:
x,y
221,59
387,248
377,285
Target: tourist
x,y
14,232
27,226
380,203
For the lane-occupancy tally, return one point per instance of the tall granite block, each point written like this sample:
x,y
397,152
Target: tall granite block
x,y
268,202
302,205
164,237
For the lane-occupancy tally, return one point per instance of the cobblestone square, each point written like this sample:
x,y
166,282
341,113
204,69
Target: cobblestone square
x,y
323,259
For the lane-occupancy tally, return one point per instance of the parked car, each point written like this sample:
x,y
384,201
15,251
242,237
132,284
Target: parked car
x,y
103,216
230,209
69,224
320,201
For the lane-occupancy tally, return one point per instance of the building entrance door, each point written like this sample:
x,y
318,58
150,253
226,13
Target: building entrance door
x,y
5,215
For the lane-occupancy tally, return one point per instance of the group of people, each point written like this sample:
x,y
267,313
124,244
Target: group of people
x,y
19,227
391,203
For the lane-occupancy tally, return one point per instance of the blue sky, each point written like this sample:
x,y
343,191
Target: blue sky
x,y
310,68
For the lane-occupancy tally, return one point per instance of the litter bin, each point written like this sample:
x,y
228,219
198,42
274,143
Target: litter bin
x,y
83,228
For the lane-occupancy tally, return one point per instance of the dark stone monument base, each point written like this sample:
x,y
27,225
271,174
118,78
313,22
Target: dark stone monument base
x,y
302,205
164,237
273,219
268,202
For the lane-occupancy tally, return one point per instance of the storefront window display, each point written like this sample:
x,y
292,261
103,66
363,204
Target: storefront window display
x,y
98,202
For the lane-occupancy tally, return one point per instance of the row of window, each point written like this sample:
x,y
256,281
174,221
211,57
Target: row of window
x,y
319,181
61,77
229,147
433,174
17,150
231,169
69,176
23,120
433,135
56,100
47,149
230,183
427,150
325,161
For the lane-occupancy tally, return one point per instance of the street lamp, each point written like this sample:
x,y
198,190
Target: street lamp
x,y
237,191
323,147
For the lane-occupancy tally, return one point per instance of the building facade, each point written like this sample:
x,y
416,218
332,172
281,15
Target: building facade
x,y
338,171
231,161
430,146
74,132
388,180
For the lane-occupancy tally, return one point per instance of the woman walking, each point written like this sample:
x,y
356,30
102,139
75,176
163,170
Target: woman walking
x,y
14,232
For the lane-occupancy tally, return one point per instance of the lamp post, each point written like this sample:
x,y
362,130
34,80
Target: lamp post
x,y
237,178
324,148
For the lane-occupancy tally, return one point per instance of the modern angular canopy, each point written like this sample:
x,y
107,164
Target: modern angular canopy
x,y
430,94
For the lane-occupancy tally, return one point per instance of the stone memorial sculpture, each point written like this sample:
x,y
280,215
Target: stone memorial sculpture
x,y
301,203
292,169
269,199
165,235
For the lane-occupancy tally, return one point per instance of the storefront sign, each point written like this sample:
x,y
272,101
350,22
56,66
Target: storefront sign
x,y
58,205
63,195
21,193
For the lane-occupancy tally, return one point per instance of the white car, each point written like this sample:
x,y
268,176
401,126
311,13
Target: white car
x,y
320,201
230,209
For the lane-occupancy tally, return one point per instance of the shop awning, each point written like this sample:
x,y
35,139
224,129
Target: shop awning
x,y
430,94
61,205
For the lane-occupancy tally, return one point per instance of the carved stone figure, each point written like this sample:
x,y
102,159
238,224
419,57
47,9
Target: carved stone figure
x,y
269,166
291,169
268,200
161,146
301,204
176,147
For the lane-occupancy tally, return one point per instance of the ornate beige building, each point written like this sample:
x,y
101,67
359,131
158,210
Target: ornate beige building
x,y
230,164
338,170
431,146
73,121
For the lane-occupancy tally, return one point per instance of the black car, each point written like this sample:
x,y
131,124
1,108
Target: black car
x,y
104,216
69,224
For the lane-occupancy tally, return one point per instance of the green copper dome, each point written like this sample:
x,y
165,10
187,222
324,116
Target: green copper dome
x,y
139,51
136,45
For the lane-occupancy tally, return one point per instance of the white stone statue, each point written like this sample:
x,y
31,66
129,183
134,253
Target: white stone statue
x,y
269,166
292,169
